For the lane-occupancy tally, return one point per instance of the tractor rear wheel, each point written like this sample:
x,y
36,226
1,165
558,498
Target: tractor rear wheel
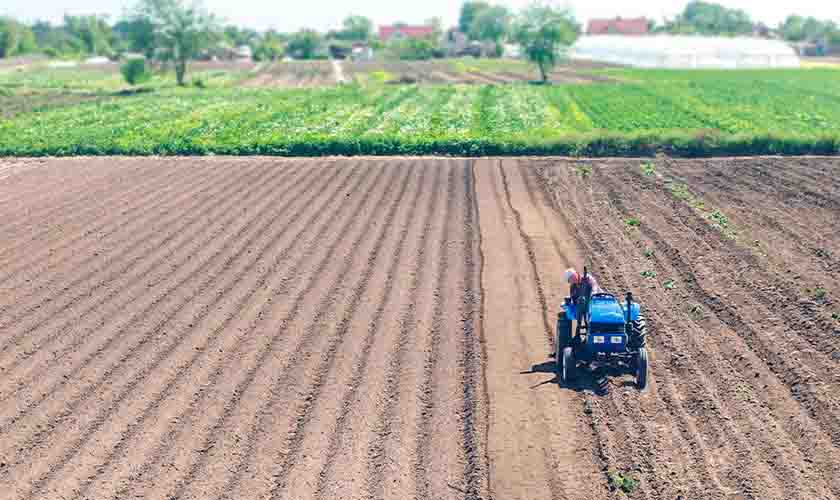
x,y
638,333
567,365
563,337
642,369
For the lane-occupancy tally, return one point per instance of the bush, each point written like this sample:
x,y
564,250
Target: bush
x,y
134,71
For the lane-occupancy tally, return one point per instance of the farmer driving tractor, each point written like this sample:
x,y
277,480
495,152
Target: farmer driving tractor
x,y
581,285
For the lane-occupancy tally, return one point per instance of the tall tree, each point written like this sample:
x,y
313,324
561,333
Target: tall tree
x,y
542,30
138,35
181,31
469,11
15,38
356,28
491,25
304,44
707,18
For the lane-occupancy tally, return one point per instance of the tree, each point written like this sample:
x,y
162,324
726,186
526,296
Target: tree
x,y
469,11
304,44
90,34
708,18
138,35
356,28
181,32
490,25
15,38
542,31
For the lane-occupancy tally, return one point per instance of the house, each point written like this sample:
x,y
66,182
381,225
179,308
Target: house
x,y
618,26
397,31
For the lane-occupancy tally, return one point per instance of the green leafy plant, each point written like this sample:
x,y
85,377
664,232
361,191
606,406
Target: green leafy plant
x,y
134,71
835,316
648,253
622,482
633,222
584,171
819,293
696,311
669,284
648,274
648,169
719,219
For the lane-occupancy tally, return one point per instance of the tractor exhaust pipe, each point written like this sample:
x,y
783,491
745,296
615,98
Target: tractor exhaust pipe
x,y
629,297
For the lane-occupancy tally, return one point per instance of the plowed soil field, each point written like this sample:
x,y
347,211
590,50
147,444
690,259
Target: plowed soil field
x,y
380,328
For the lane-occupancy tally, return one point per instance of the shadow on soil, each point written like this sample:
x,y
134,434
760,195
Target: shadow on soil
x,y
587,379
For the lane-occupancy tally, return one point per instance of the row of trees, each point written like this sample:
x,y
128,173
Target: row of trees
x,y
707,18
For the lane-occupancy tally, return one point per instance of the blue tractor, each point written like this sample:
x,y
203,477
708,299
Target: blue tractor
x,y
599,328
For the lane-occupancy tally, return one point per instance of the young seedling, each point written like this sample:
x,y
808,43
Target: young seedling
x,y
584,171
648,253
648,274
819,293
633,222
696,311
625,483
835,316
669,284
648,169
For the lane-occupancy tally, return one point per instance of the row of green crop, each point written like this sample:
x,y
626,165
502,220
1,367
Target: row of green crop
x,y
713,113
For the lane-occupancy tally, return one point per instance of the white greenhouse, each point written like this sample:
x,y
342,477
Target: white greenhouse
x,y
679,51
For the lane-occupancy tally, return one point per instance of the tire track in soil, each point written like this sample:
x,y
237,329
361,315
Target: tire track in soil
x,y
107,280
723,434
664,471
232,349
61,355
300,352
727,312
535,436
753,421
782,471
144,341
100,420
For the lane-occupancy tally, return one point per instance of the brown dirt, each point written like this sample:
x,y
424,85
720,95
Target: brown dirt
x,y
381,328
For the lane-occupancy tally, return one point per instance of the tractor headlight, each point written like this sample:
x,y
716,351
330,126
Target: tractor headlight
x,y
598,339
616,340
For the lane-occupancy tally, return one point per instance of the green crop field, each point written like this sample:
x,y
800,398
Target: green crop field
x,y
636,113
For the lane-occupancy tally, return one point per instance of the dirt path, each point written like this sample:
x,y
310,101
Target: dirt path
x,y
540,445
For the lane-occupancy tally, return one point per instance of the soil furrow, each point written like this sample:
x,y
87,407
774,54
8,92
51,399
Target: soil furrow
x,y
365,377
83,209
166,353
148,335
131,267
255,436
94,323
275,281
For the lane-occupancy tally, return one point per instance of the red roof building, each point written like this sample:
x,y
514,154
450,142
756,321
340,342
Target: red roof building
x,y
617,26
403,31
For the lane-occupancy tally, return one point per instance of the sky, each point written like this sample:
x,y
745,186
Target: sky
x,y
327,14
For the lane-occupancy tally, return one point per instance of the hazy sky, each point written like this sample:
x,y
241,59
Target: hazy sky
x,y
325,14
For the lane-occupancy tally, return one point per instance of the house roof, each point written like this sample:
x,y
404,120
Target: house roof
x,y
386,32
618,26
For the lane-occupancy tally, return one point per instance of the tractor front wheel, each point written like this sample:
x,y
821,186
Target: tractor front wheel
x,y
642,368
638,333
563,338
567,365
